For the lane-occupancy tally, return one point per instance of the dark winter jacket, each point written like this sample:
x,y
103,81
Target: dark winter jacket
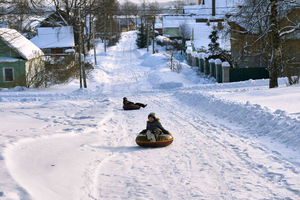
x,y
125,102
153,125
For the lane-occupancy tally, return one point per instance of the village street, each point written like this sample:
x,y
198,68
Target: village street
x,y
69,143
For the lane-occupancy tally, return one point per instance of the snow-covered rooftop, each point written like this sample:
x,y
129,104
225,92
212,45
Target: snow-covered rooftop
x,y
201,30
205,10
56,37
201,35
173,21
20,44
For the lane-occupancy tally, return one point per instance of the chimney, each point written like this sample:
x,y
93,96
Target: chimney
x,y
213,7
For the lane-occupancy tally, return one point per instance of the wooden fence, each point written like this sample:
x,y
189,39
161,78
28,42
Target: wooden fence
x,y
222,72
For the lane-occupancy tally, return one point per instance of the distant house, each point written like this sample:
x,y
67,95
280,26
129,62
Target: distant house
x,y
20,59
54,41
212,10
57,20
209,13
171,24
158,28
127,23
199,18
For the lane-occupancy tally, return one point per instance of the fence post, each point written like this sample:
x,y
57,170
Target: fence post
x,y
218,65
206,64
226,72
194,54
201,62
211,67
189,52
198,60
199,55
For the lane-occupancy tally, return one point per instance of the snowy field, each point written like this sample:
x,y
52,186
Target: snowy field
x,y
231,141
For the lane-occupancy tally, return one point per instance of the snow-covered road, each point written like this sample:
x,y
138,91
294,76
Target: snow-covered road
x,y
80,144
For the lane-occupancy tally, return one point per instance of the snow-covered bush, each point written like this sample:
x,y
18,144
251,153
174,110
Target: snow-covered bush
x,y
162,40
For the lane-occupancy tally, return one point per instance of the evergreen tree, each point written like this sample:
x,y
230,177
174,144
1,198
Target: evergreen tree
x,y
216,52
141,40
214,46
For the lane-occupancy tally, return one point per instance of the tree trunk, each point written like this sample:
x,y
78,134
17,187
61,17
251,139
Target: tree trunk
x,y
275,41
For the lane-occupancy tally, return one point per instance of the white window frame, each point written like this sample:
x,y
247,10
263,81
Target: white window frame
x,y
13,75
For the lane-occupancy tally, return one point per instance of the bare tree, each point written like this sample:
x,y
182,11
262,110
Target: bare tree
x,y
16,12
185,32
143,11
178,5
107,26
264,27
130,10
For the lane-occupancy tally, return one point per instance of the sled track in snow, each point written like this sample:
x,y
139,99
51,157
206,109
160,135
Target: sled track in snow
x,y
128,71
227,143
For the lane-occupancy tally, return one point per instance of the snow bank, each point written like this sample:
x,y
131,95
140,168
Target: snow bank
x,y
278,125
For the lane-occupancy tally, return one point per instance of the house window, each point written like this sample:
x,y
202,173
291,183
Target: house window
x,y
8,74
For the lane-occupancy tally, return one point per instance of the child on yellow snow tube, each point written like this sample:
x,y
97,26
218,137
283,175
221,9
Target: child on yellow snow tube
x,y
154,128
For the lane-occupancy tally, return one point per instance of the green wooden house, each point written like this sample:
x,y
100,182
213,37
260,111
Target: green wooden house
x,y
20,60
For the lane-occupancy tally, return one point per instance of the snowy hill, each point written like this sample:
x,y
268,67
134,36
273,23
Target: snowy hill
x,y
231,141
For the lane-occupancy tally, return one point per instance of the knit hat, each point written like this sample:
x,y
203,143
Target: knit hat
x,y
124,98
152,115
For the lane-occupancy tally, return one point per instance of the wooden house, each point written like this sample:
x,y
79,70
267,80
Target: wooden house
x,y
242,36
20,59
55,34
291,42
54,41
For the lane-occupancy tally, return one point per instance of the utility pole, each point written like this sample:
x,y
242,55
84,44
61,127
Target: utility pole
x,y
147,36
105,32
93,27
95,54
79,47
110,27
82,75
153,34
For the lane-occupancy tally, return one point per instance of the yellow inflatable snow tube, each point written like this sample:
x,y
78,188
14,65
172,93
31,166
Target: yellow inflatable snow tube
x,y
162,140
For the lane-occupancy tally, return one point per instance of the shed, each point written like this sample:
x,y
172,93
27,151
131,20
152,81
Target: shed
x,y
20,59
